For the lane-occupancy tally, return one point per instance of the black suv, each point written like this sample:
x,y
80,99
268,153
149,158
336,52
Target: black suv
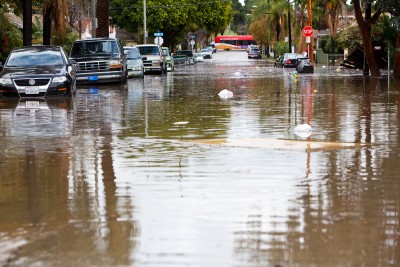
x,y
99,60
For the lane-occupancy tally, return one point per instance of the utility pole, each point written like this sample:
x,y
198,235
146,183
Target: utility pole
x,y
311,49
289,29
368,10
144,23
93,18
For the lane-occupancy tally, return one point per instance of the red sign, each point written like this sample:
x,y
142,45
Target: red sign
x,y
308,31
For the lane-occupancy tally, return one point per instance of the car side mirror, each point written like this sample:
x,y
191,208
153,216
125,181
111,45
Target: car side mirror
x,y
1,65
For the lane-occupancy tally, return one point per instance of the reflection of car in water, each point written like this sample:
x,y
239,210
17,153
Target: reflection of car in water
x,y
36,116
37,71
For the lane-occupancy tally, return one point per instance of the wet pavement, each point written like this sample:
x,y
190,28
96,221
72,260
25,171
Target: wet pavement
x,y
163,172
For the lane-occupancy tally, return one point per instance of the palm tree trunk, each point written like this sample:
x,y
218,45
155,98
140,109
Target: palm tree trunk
x,y
102,14
47,27
27,22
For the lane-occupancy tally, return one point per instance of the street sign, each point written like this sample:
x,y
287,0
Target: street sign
x,y
158,40
192,42
158,34
308,31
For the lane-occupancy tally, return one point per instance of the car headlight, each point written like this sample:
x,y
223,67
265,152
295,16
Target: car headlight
x,y
5,81
115,64
59,79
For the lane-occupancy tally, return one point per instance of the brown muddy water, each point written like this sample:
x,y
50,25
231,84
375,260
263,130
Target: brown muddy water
x,y
163,172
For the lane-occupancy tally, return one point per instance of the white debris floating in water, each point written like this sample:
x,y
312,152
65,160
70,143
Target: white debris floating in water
x,y
303,130
225,94
181,123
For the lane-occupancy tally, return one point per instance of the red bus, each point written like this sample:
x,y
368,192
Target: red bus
x,y
234,42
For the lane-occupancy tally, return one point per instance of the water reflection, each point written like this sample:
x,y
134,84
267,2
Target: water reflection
x,y
61,199
120,178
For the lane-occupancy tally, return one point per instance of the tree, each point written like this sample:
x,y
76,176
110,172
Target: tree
x,y
78,11
364,25
173,18
102,14
393,7
27,22
10,36
334,9
54,11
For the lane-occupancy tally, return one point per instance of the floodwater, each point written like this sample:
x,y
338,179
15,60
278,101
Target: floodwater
x,y
163,172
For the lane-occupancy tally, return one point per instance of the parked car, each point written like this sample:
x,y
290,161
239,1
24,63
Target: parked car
x,y
134,62
155,60
304,65
212,45
38,71
99,60
254,53
249,47
205,53
180,59
169,59
188,53
287,60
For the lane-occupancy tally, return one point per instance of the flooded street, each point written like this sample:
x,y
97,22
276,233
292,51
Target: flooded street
x,y
163,172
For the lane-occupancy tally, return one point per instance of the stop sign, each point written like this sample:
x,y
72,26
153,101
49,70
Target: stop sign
x,y
308,31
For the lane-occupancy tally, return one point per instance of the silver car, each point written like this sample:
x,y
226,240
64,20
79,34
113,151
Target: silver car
x,y
134,62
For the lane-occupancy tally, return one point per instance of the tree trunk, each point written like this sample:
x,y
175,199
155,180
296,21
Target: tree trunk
x,y
102,14
396,67
47,27
27,22
366,37
332,50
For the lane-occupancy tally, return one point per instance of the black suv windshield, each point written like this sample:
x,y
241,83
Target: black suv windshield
x,y
90,48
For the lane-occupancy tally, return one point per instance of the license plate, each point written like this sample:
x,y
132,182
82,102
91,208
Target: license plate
x,y
31,90
93,78
32,104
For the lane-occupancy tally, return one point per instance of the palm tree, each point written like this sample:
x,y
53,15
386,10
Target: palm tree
x,y
55,11
102,14
27,22
334,9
